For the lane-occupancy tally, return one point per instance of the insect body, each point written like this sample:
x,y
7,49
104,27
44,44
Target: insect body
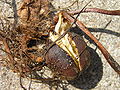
x,y
68,57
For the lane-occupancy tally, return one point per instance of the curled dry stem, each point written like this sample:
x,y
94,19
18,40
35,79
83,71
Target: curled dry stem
x,y
96,10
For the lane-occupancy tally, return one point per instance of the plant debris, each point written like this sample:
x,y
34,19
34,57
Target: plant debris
x,y
20,43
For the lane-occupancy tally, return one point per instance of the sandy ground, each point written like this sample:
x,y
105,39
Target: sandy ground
x,y
99,76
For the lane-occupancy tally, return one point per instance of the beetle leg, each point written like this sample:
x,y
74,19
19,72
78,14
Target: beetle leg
x,y
106,54
96,10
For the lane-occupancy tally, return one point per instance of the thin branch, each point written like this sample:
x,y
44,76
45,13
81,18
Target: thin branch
x,y
96,10
8,50
22,84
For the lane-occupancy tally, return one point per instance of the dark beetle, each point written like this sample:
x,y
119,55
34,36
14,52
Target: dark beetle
x,y
62,65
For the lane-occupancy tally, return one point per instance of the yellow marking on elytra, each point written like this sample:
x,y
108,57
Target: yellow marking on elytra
x,y
66,43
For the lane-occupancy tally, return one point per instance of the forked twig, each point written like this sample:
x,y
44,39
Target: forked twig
x,y
106,54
